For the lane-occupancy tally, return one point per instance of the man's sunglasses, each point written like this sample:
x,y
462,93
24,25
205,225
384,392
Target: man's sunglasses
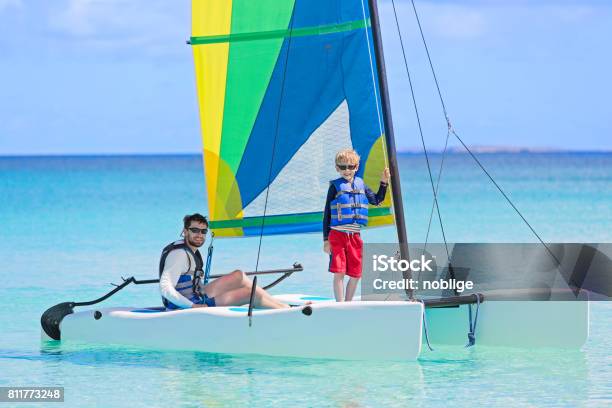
x,y
195,230
347,166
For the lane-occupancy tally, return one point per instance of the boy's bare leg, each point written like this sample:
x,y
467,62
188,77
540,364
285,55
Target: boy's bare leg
x,y
339,287
351,287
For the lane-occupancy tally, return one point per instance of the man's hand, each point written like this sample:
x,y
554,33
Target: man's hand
x,y
386,175
326,248
197,305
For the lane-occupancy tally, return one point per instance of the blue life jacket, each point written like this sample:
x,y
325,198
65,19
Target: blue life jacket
x,y
351,204
189,282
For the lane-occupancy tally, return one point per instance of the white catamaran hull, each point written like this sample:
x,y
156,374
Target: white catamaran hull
x,y
381,330
517,324
353,330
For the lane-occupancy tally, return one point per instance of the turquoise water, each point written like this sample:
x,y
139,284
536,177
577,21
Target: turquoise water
x,y
72,225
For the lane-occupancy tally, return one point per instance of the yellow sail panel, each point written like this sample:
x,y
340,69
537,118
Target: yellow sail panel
x,y
210,82
211,17
377,161
282,86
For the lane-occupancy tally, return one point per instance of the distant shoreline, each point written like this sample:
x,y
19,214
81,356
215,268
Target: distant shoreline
x,y
502,149
452,151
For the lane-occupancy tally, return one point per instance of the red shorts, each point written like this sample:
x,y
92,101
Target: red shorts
x,y
345,255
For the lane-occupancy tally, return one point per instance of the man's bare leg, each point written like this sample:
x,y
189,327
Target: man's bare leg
x,y
231,281
237,286
242,295
351,287
265,299
339,286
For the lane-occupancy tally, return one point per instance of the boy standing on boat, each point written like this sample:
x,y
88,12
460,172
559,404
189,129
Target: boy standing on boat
x,y
346,212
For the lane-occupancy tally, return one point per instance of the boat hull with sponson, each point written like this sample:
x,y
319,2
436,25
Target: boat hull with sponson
x,y
325,329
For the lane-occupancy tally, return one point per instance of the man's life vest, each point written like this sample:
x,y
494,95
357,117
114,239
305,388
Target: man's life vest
x,y
351,204
188,284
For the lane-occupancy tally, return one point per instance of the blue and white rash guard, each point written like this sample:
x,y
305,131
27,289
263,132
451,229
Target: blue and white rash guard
x,y
178,263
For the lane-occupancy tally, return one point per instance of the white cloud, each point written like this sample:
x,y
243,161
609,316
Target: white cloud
x,y
574,14
154,25
457,21
78,18
441,19
7,4
479,19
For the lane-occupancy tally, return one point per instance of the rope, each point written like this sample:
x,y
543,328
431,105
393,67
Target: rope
x,y
280,104
425,329
376,97
472,332
433,206
433,71
418,118
378,114
508,199
452,131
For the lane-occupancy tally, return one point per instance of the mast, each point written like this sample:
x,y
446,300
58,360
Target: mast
x,y
389,136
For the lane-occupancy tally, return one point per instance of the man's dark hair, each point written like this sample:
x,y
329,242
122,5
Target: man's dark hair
x,y
194,217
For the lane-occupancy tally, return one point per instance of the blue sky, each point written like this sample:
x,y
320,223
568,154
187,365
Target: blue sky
x,y
115,76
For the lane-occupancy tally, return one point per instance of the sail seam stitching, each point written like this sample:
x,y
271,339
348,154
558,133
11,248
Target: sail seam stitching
x,y
283,33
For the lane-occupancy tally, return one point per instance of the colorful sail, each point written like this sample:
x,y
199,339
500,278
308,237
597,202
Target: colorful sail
x,y
282,86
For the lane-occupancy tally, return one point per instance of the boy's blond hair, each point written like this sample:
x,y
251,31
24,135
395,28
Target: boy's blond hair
x,y
349,156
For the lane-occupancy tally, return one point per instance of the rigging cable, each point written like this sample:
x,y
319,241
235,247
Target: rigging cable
x,y
425,329
278,112
433,205
448,122
446,117
376,96
452,130
473,323
376,99
416,111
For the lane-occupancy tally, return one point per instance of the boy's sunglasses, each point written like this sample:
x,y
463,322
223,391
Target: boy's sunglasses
x,y
347,166
195,230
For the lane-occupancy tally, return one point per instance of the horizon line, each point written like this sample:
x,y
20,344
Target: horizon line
x,y
408,151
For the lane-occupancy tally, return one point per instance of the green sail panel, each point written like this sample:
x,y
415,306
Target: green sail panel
x,y
299,86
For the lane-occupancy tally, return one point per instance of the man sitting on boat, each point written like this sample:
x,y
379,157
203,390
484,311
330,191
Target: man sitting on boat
x,y
180,269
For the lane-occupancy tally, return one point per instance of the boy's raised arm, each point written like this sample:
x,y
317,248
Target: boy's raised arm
x,y
379,197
